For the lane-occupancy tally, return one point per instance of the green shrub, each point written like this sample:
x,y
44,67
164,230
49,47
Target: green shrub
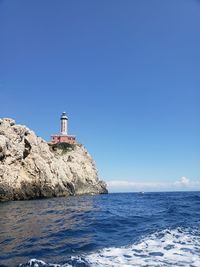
x,y
65,147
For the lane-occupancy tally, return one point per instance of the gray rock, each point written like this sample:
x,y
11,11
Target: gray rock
x,y
31,168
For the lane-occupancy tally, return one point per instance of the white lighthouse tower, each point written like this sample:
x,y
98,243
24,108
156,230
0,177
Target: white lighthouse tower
x,y
64,124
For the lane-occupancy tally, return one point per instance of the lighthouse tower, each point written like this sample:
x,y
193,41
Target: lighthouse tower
x,y
63,137
64,123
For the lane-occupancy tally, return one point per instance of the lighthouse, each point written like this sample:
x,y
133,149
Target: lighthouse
x,y
63,137
64,123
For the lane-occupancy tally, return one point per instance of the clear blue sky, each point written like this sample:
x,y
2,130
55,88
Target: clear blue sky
x,y
127,72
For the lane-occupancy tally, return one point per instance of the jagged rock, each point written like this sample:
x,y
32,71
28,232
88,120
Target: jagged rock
x,y
31,168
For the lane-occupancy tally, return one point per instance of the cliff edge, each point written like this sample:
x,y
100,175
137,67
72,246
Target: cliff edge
x,y
31,168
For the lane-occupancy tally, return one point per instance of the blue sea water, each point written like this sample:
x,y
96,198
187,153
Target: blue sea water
x,y
132,229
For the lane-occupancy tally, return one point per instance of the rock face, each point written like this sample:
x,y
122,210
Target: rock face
x,y
31,168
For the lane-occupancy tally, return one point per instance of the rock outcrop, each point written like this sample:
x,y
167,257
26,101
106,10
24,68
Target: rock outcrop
x,y
31,168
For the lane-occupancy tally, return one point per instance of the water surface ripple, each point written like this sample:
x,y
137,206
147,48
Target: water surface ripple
x,y
132,229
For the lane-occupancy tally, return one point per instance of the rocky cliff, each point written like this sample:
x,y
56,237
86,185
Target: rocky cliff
x,y
31,168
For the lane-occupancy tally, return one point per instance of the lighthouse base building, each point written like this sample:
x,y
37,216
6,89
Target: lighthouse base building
x,y
70,139
63,137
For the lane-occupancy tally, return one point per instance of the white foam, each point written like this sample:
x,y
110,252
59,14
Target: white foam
x,y
166,248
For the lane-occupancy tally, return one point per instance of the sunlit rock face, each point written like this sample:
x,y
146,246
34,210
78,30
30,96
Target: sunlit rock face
x,y
31,168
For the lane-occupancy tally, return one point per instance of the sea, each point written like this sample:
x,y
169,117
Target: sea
x,y
118,229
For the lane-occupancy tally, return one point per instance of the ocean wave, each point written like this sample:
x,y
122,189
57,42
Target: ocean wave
x,y
178,247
